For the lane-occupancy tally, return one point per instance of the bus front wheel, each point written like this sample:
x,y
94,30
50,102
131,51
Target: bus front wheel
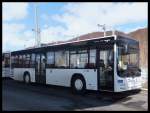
x,y
78,85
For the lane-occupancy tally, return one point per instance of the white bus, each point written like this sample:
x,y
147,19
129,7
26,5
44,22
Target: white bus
x,y
108,63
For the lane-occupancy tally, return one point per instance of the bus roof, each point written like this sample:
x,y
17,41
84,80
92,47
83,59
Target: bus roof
x,y
70,42
66,43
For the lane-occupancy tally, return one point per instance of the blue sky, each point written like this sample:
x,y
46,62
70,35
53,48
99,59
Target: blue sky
x,y
64,20
44,9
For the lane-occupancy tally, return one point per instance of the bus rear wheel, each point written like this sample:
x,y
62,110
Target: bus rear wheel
x,y
78,85
27,78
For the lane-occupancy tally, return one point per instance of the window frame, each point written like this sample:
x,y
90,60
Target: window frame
x,y
79,52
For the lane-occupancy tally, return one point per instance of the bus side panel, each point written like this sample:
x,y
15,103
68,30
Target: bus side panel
x,y
19,72
62,77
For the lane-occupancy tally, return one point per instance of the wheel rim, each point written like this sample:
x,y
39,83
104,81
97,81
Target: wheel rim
x,y
78,84
27,79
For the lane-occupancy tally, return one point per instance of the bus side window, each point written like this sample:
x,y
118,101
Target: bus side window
x,y
12,61
32,60
16,61
20,61
50,59
79,59
62,59
92,60
27,61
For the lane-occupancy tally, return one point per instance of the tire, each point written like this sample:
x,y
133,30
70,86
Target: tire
x,y
78,85
27,79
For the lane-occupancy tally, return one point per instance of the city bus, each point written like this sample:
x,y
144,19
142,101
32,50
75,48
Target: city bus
x,y
109,63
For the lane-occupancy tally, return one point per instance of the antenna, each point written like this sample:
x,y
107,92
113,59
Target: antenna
x,y
103,27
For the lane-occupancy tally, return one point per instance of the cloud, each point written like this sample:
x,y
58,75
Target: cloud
x,y
45,17
76,19
84,17
16,37
50,34
14,11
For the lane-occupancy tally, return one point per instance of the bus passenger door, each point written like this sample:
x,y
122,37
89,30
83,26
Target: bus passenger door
x,y
106,70
40,69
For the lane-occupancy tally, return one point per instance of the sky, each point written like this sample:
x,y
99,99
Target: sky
x,y
61,21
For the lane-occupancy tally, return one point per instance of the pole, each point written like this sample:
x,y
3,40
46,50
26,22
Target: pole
x,y
113,31
104,28
37,29
36,24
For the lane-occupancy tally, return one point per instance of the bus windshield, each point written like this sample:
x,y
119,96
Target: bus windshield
x,y
128,61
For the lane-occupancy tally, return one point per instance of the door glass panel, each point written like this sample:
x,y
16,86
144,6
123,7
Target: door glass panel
x,y
40,68
92,61
106,69
32,62
43,62
38,63
50,59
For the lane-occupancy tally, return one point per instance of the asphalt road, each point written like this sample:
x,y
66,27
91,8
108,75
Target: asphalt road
x,y
19,96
